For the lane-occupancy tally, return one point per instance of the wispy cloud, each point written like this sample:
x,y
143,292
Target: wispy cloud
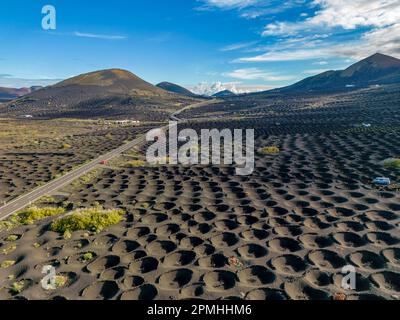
x,y
373,24
98,36
384,40
347,15
238,46
230,4
250,9
321,63
289,55
257,74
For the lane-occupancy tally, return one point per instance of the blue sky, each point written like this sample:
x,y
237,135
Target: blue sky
x,y
206,45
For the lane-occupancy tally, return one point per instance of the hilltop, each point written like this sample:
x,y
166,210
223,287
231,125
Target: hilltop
x,y
112,93
174,88
378,69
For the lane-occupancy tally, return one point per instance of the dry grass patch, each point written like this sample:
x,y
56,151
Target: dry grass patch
x,y
87,178
135,164
47,200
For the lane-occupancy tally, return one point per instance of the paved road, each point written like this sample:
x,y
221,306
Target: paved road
x,y
25,200
54,185
174,116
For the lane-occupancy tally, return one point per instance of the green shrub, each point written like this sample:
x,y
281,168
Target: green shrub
x,y
92,219
145,205
67,235
392,164
9,249
6,264
66,146
60,281
18,287
30,215
97,205
12,238
87,257
270,150
6,225
68,205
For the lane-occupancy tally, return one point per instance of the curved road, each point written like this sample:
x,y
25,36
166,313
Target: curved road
x,y
54,185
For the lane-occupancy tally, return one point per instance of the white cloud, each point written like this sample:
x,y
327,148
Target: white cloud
x,y
282,29
290,55
348,30
98,36
296,39
385,40
208,89
256,74
321,63
230,4
356,13
238,46
251,9
341,13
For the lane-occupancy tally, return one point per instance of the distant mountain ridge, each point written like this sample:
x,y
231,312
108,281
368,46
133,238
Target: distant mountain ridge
x,y
13,93
120,93
378,69
112,92
174,88
224,93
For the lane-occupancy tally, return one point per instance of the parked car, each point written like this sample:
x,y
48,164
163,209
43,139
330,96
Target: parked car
x,y
381,181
